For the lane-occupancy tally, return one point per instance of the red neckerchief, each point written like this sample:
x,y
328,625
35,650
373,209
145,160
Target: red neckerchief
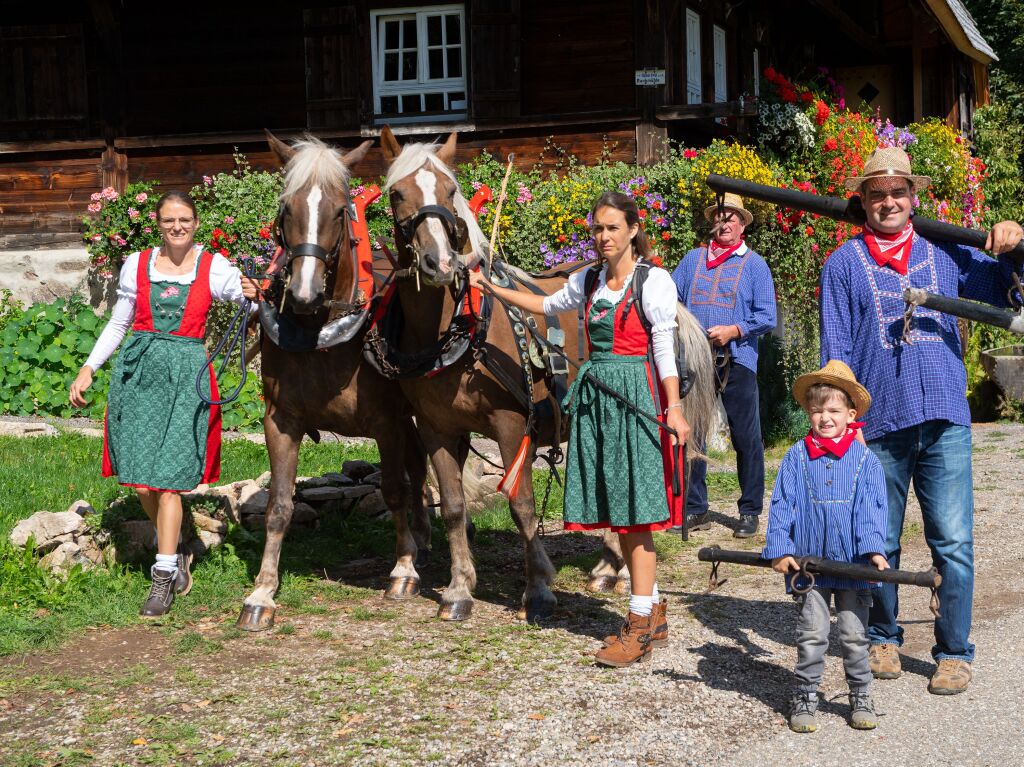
x,y
817,447
718,255
892,250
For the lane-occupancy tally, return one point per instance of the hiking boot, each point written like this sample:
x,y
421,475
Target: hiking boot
x,y
747,528
659,637
951,677
161,595
631,645
802,706
183,581
698,522
862,711
884,660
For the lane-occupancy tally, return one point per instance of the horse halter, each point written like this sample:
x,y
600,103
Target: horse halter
x,y
454,227
310,249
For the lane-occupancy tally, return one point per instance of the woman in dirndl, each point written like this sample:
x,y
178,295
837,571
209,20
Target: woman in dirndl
x,y
159,436
619,464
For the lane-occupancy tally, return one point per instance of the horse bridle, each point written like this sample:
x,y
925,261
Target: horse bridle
x,y
455,230
309,249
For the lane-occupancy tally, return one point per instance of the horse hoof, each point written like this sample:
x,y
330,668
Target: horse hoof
x,y
422,558
622,586
470,532
536,610
402,588
602,584
456,611
256,618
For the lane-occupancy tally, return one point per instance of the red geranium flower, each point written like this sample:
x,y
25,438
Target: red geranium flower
x,y
665,236
807,97
823,113
830,144
643,213
655,259
265,233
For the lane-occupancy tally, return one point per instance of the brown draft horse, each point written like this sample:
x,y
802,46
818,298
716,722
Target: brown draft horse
x,y
330,387
466,397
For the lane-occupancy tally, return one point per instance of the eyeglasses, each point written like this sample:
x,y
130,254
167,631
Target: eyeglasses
x,y
878,195
185,222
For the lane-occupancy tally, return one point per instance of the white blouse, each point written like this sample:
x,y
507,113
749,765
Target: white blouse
x,y
225,285
659,302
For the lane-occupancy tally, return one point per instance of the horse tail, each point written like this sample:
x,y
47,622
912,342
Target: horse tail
x,y
700,404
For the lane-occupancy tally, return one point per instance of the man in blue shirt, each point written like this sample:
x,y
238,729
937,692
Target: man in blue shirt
x,y
920,423
729,289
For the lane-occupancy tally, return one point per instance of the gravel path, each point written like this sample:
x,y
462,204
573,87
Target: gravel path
x,y
361,681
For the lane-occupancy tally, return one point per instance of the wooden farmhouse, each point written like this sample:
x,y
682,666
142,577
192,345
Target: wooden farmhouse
x,y
97,93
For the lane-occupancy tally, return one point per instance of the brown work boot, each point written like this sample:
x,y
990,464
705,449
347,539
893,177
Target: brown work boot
x,y
659,637
631,645
952,676
884,660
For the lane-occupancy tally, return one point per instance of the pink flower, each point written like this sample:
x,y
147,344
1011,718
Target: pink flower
x,y
152,215
121,241
207,180
94,207
141,197
109,194
169,292
133,214
147,229
96,237
477,184
95,197
229,219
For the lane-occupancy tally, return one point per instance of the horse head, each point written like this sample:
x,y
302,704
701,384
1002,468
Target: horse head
x,y
313,219
435,231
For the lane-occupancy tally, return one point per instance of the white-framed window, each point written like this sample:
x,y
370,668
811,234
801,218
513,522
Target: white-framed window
x,y
694,93
419,63
718,51
757,73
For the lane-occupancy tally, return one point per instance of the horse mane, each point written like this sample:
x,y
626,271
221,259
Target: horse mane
x,y
413,157
314,162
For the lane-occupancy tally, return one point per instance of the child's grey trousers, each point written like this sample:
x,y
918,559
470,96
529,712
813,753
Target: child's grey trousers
x,y
812,636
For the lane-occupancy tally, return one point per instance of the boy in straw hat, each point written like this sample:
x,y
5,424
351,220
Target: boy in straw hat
x,y
920,425
829,501
729,289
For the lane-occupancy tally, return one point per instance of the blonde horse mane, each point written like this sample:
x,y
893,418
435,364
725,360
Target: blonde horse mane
x,y
314,162
415,156
699,405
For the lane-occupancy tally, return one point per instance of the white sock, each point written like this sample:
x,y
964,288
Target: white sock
x,y
166,563
639,605
655,596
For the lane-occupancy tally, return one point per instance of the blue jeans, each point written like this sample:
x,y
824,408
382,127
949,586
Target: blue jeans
x,y
937,456
740,400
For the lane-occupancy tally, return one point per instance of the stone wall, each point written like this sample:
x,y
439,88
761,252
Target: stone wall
x,y
35,276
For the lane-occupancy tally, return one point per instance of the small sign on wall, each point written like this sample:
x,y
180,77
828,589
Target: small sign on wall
x,y
649,78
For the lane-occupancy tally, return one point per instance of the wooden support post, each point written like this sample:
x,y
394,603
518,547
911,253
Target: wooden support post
x,y
651,135
114,166
918,86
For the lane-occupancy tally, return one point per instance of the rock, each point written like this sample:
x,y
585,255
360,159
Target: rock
x,y
322,494
48,530
135,539
489,483
357,469
314,482
209,524
201,489
64,557
254,522
212,506
82,508
205,541
91,551
263,480
373,479
18,429
338,479
256,503
305,515
371,504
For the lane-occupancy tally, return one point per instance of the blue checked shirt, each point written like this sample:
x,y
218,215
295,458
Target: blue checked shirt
x,y
828,507
737,292
862,325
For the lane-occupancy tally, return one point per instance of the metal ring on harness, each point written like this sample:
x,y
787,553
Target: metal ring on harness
x,y
803,572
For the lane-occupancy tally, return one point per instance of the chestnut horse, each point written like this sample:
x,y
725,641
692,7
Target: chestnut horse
x,y
467,396
321,381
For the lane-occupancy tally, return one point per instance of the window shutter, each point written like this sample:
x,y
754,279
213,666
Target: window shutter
x,y
332,79
494,71
693,69
718,40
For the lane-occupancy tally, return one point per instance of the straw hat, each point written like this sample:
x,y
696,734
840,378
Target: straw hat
x,y
733,202
837,374
887,161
